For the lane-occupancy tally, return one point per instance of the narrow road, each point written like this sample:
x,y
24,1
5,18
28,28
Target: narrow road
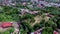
x,y
16,26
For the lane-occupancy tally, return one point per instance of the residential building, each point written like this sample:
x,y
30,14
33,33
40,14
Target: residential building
x,y
24,0
6,24
7,2
46,0
52,0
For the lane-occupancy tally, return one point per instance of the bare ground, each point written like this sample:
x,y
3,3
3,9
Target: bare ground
x,y
37,20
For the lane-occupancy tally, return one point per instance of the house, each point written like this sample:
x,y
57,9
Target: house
x,y
55,32
6,24
40,5
38,31
7,2
24,3
33,12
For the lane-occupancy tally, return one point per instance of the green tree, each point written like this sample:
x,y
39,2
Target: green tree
x,y
6,32
11,30
47,30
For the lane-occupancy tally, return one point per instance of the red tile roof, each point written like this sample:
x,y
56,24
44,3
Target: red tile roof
x,y
55,32
6,24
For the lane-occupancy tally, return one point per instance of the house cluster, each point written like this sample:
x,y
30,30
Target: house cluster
x,y
39,3
46,4
8,2
28,11
49,4
43,3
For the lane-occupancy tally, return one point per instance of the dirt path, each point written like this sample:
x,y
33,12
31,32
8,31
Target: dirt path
x,y
37,20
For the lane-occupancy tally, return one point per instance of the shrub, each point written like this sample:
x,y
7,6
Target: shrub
x,y
11,30
47,30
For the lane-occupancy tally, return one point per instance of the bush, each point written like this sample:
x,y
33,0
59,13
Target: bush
x,y
58,24
11,30
55,12
28,16
51,24
6,32
47,30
